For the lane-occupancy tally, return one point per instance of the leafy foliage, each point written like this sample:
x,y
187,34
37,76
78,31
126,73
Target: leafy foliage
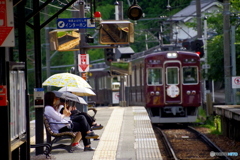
x,y
215,44
216,58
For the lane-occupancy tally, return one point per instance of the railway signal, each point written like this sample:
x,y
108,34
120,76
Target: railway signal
x,y
197,46
134,11
109,56
186,45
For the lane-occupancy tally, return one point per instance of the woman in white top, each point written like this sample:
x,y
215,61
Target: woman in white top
x,y
50,110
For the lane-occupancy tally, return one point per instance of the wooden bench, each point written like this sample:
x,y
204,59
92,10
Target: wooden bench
x,y
58,137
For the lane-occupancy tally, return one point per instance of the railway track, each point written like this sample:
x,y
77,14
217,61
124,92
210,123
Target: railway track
x,y
187,143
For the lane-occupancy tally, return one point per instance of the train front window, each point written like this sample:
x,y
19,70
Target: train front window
x,y
189,75
154,76
172,75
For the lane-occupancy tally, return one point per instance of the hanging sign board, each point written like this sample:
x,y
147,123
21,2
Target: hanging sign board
x,y
6,24
74,23
83,62
3,96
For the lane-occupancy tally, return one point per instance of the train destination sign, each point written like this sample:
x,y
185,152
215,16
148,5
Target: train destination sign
x,y
74,23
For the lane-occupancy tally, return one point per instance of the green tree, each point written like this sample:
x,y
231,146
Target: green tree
x,y
215,45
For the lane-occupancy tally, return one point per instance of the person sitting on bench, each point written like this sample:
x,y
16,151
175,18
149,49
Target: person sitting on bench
x,y
74,114
50,110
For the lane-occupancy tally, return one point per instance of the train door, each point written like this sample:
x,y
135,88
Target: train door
x,y
172,93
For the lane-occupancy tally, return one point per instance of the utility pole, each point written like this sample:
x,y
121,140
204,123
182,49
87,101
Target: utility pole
x,y
199,22
122,100
199,36
226,45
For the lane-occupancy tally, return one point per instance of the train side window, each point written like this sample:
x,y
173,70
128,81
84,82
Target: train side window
x,y
190,75
172,75
154,76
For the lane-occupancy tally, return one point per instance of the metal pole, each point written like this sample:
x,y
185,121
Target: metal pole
x,y
233,53
82,41
48,57
76,15
122,79
226,44
205,58
116,11
47,49
146,38
120,8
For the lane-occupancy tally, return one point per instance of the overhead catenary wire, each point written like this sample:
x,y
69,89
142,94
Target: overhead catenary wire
x,y
60,7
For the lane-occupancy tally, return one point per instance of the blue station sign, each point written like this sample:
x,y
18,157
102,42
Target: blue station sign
x,y
74,23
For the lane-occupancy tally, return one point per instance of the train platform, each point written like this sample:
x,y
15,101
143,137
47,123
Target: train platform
x,y
127,135
230,120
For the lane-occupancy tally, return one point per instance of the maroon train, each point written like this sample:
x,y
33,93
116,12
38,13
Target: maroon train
x,y
168,84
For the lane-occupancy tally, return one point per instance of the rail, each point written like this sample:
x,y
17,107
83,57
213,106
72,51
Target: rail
x,y
170,149
209,143
167,144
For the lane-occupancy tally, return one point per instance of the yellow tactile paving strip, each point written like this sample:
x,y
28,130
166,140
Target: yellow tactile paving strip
x,y
145,145
107,147
145,141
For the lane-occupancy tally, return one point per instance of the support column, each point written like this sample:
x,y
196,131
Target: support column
x,y
38,76
25,148
5,144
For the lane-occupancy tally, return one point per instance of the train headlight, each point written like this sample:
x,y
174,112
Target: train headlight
x,y
157,93
171,55
152,93
188,92
193,92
